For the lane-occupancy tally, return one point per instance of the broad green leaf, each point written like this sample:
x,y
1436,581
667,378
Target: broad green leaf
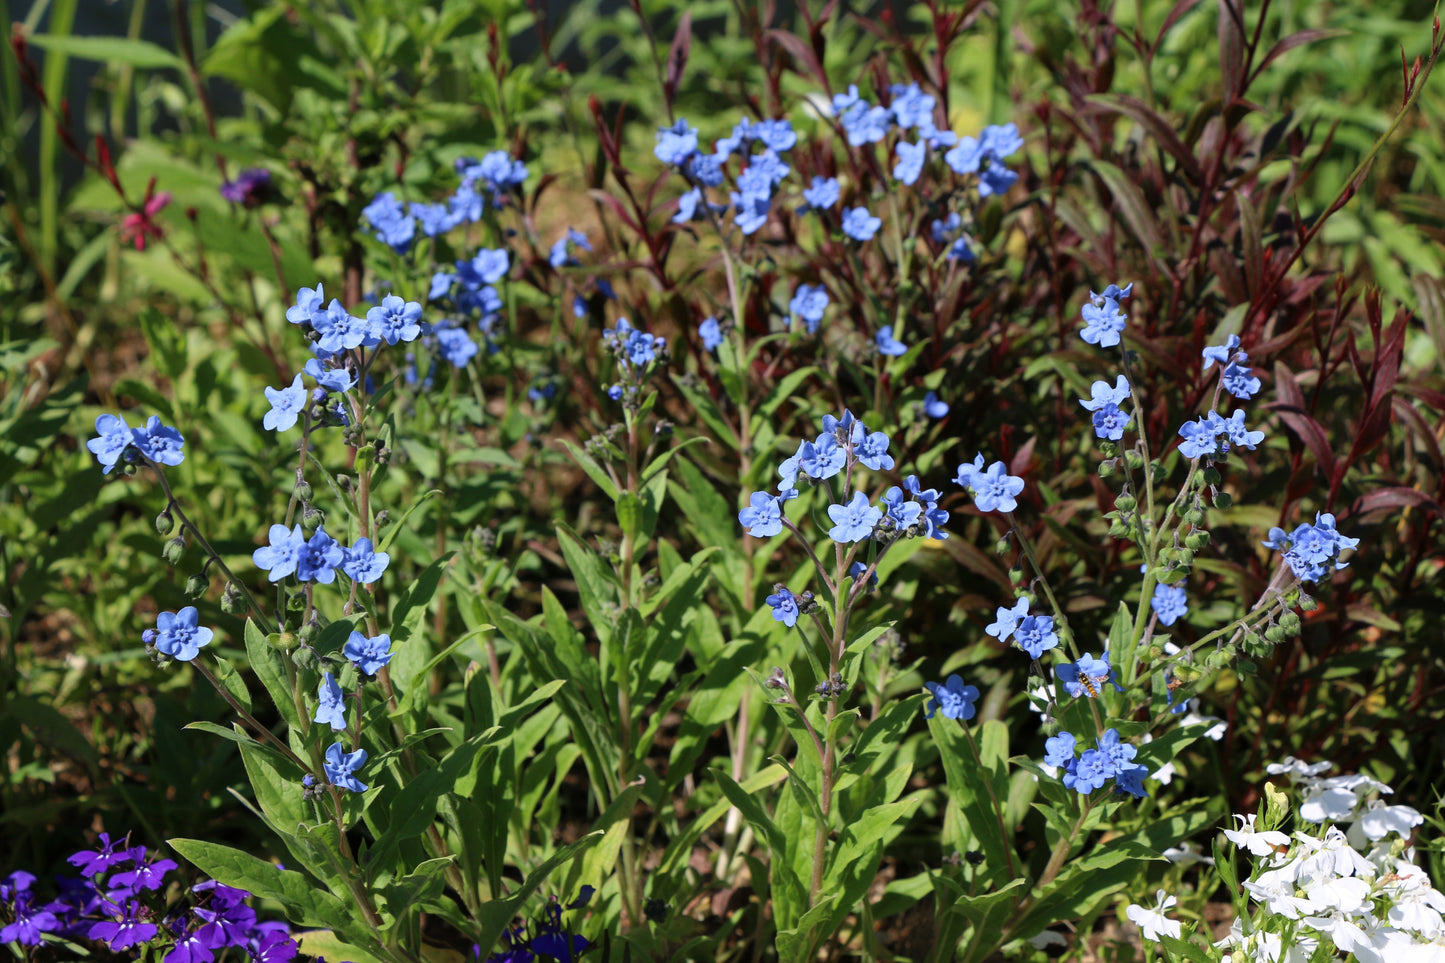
x,y
111,50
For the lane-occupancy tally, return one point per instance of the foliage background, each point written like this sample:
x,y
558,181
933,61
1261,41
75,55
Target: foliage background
x,y
1125,179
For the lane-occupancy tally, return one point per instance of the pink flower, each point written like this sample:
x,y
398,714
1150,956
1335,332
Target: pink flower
x,y
138,225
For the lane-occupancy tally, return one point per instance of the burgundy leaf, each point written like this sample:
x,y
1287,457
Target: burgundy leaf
x,y
677,59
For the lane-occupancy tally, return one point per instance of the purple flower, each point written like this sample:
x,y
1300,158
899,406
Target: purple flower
x,y
94,861
127,930
249,188
29,923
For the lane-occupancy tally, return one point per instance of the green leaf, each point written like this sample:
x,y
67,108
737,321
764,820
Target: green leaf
x,y
111,50
629,513
305,902
593,468
269,665
599,600
276,784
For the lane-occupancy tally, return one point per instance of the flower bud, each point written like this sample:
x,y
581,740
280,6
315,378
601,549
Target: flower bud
x,y
196,586
305,657
1290,622
1134,460
1223,499
232,601
311,519
174,550
303,491
284,641
1001,546
1245,667
164,523
1119,530
296,602
1274,634
149,636
1308,603
1109,448
1197,539
1184,557
1125,503
1016,575
1209,476
1107,467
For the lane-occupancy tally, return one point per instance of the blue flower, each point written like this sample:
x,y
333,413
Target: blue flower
x,y
785,606
1201,438
995,489
318,558
341,767
1113,291
1087,676
823,458
282,555
711,333
1059,750
777,135
368,654
441,285
1312,550
887,344
860,225
809,303
1130,779
1035,634
1090,772
823,194
498,171
855,521
953,699
687,206
857,570
871,448
561,254
395,320
911,106
126,929
764,515
1238,381
466,205
491,264
455,345
1103,323
362,563
751,211
180,634
436,219
1220,352
160,443
308,305
676,143
286,405
339,330
969,473
331,704
705,169
910,161
1007,619
995,179
115,437
898,509
1170,603
1110,422
932,407
332,379
394,226
1103,395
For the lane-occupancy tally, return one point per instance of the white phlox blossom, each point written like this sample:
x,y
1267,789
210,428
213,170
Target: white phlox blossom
x,y
1279,896
1332,855
1264,843
1152,922
1336,799
1343,893
1186,854
1298,769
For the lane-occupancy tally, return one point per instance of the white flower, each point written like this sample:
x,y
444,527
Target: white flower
x,y
1381,820
1298,767
1153,922
1258,843
1344,893
1186,854
1280,897
1332,855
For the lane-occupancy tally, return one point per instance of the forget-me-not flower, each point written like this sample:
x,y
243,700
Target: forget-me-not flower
x,y
887,344
286,405
823,194
1170,603
785,606
395,320
711,333
368,654
341,767
318,558
280,558
1220,352
1101,394
1103,323
855,521
331,703
809,302
995,489
861,225
362,563
180,634
953,699
764,515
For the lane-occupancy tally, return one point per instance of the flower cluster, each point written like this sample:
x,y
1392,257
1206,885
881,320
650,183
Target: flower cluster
x,y
1356,891
547,938
909,115
497,174
639,355
1034,633
1312,551
317,558
120,444
1088,771
117,900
